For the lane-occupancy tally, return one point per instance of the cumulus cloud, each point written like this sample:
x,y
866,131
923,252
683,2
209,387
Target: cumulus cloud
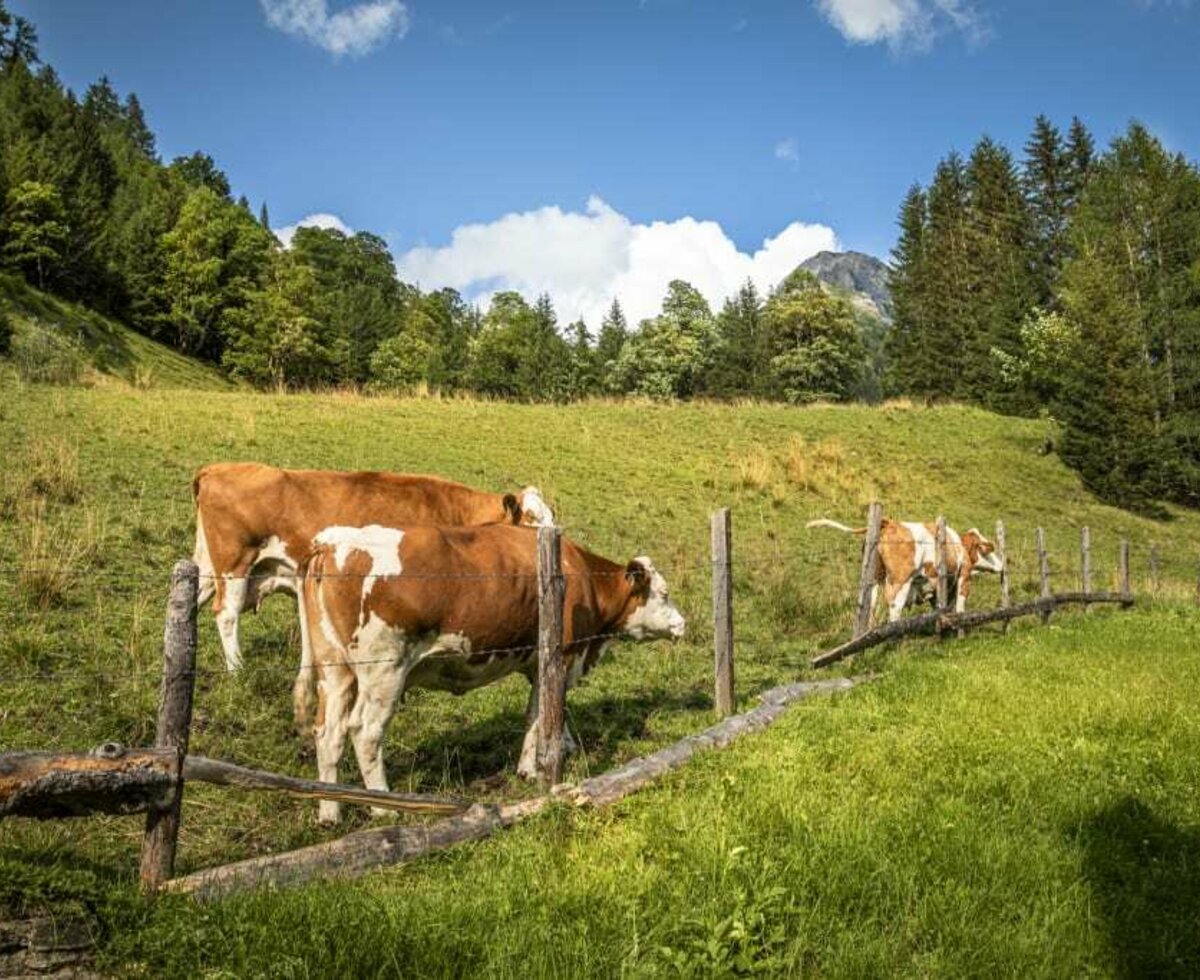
x,y
585,260
788,150
320,220
355,31
902,23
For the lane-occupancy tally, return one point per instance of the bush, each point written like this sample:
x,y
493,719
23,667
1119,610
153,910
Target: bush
x,y
6,333
43,356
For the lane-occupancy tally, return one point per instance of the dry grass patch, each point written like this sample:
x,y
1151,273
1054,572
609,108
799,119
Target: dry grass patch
x,y
52,559
52,471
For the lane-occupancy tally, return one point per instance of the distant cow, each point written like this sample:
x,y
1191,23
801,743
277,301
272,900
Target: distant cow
x,y
451,609
908,559
255,523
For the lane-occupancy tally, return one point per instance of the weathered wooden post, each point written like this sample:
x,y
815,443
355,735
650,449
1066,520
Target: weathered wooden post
x,y
1154,570
943,583
721,526
552,668
867,575
1085,562
1002,556
174,720
1123,568
1044,570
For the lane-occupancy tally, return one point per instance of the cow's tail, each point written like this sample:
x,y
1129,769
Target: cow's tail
x,y
304,689
826,522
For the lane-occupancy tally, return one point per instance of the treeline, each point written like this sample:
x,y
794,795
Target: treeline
x,y
1066,283
92,213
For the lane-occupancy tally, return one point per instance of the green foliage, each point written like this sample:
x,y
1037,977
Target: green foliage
x,y
35,229
670,354
402,362
1049,345
6,333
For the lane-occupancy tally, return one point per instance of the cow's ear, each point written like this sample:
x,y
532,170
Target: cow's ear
x,y
637,575
512,507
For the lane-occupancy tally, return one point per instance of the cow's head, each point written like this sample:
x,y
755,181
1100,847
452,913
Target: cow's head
x,y
981,552
529,509
649,612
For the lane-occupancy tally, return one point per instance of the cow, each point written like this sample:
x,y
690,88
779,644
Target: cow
x,y
255,523
908,559
451,609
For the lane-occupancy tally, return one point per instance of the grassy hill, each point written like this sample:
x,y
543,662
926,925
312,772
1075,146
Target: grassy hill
x,y
95,506
56,340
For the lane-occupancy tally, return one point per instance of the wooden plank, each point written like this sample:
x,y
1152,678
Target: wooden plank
x,y
1044,571
967,620
109,779
943,582
721,527
1085,561
174,720
197,767
367,850
552,667
868,573
1123,568
1002,555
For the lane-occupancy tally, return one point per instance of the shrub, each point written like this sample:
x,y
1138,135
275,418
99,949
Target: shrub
x,y
42,356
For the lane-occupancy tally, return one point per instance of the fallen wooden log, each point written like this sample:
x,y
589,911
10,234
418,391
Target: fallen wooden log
x,y
964,620
197,767
109,779
355,854
114,779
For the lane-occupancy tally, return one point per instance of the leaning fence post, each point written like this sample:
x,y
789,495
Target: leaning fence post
x,y
1085,563
174,720
943,584
721,526
867,575
1002,556
1123,568
1154,571
1044,571
552,667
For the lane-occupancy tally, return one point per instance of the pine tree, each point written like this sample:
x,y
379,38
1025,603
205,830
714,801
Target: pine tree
x,y
36,230
614,331
264,218
908,282
1047,180
741,357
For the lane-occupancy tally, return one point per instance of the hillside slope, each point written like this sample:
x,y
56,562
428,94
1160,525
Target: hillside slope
x,y
59,339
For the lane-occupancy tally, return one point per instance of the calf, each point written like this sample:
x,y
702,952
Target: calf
x,y
908,558
451,609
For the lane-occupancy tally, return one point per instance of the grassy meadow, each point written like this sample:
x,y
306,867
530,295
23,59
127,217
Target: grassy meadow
x,y
976,811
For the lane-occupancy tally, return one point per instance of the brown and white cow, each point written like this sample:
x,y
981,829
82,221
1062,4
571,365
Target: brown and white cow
x,y
908,559
255,524
451,609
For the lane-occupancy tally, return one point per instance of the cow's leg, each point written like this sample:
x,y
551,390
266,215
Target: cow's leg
x,y
963,590
378,687
305,682
335,699
897,599
527,765
873,603
234,589
203,560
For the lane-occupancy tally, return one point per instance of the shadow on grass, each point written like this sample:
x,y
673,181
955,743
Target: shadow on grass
x,y
602,726
1144,873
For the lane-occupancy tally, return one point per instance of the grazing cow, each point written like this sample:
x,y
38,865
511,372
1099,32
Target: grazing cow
x,y
451,609
255,524
908,559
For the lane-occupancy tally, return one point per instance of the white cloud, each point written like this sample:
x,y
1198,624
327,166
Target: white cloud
x,y
319,220
902,23
585,260
355,31
788,150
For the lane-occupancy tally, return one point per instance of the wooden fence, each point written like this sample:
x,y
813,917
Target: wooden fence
x,y
115,779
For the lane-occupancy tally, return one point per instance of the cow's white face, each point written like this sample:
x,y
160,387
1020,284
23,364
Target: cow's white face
x,y
534,511
657,617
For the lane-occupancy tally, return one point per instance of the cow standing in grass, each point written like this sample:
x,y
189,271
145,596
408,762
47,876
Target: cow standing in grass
x,y
452,609
255,524
907,560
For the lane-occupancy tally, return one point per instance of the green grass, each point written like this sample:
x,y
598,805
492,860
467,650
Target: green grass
x,y
908,825
64,336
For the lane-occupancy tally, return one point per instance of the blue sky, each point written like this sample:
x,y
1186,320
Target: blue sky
x,y
697,129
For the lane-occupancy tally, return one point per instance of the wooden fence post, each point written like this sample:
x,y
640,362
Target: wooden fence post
x,y
866,577
174,720
943,584
1123,568
1044,569
1002,556
721,526
552,667
1153,571
1085,562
